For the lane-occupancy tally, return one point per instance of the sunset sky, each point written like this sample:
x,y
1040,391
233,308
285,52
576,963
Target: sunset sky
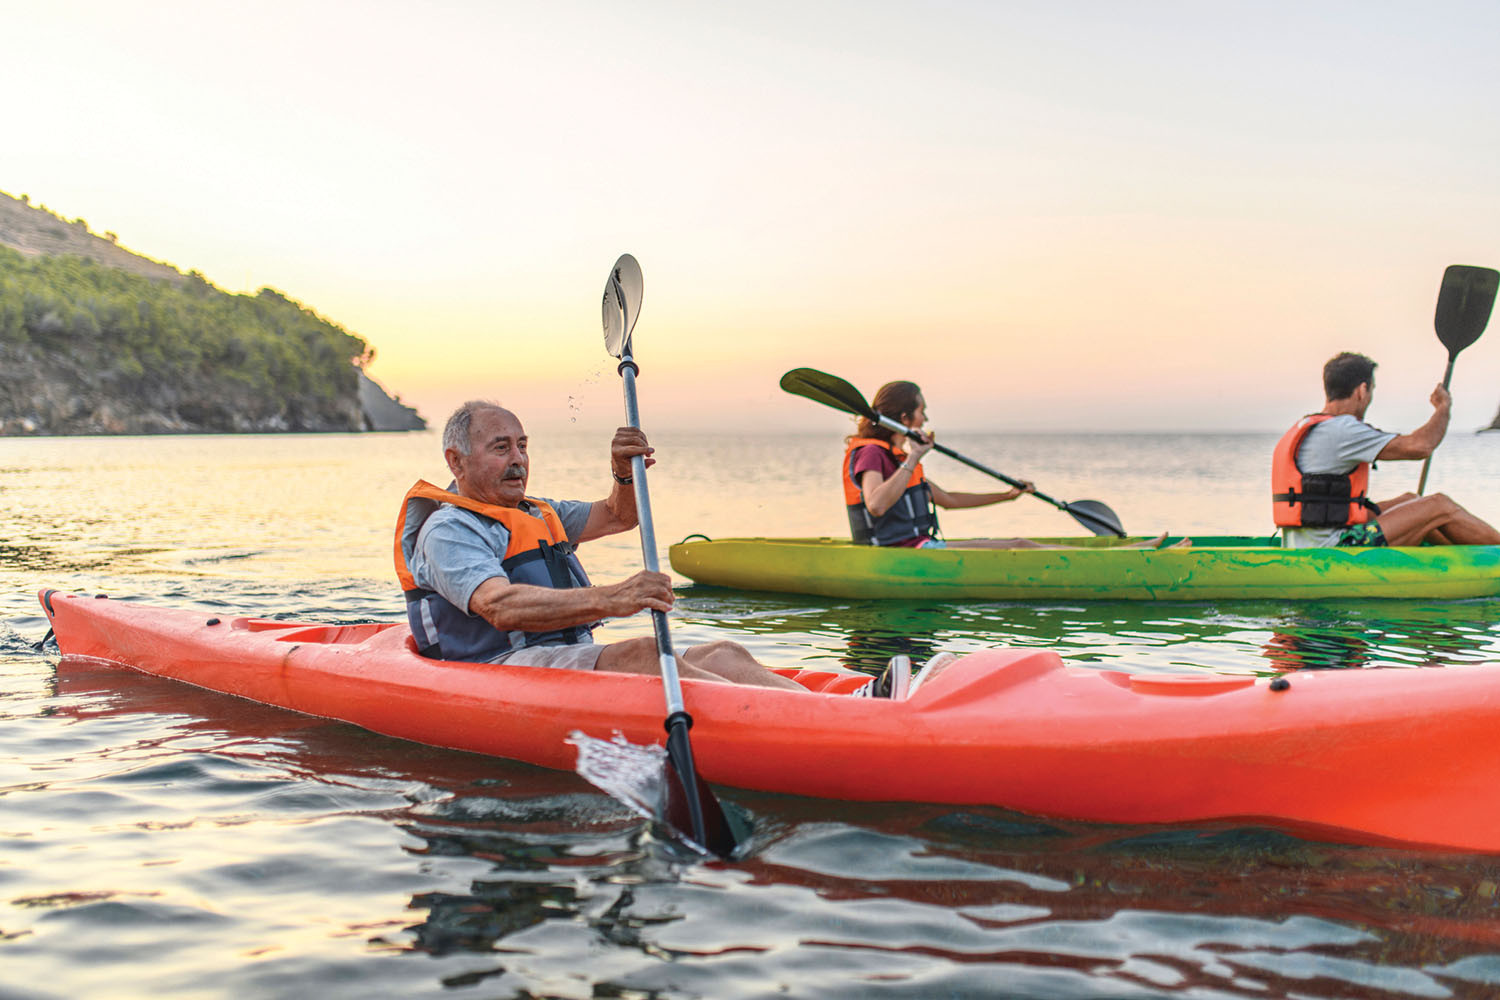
x,y
1052,215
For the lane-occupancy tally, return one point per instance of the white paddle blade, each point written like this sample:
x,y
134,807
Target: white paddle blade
x,y
622,304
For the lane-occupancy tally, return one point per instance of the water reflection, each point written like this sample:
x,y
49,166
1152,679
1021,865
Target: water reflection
x,y
869,651
1227,637
1315,649
948,893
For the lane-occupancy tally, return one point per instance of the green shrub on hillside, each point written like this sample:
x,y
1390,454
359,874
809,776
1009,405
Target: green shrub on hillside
x,y
138,329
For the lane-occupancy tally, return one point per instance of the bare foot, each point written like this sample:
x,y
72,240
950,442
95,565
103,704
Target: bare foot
x,y
1150,543
1181,543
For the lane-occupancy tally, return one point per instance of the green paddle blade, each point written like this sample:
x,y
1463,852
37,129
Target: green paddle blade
x,y
1465,300
622,304
830,390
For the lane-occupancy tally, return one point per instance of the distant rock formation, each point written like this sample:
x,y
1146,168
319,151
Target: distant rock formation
x,y
117,343
382,413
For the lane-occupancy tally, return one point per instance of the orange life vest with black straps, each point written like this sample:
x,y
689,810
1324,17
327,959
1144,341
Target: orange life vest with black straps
x,y
538,553
913,515
1300,500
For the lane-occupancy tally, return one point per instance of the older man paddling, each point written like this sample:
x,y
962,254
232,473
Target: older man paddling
x,y
1320,473
492,575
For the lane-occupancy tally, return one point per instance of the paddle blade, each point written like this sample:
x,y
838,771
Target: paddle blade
x,y
1464,303
622,304
688,805
830,390
1096,517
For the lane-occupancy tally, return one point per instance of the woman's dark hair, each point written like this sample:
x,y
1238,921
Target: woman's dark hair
x,y
1346,372
895,400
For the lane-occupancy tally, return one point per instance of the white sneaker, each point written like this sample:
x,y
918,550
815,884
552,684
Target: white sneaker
x,y
893,682
897,678
928,669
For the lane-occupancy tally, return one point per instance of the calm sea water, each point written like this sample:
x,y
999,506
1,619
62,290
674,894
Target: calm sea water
x,y
157,840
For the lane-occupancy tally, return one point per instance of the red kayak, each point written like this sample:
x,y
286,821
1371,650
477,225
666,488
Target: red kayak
x,y
1390,756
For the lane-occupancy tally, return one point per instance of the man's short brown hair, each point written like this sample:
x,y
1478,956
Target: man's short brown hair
x,y
1343,373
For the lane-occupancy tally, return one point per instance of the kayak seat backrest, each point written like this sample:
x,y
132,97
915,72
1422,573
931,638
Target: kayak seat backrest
x,y
826,681
1180,685
331,635
987,674
264,625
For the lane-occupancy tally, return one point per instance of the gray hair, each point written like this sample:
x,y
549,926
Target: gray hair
x,y
456,431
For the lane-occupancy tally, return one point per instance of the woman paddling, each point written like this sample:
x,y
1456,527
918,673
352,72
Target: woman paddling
x,y
889,498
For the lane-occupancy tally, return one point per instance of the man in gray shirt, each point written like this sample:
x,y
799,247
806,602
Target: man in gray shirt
x,y
1341,444
491,575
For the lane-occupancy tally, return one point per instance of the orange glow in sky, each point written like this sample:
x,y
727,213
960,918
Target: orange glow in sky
x,y
1085,216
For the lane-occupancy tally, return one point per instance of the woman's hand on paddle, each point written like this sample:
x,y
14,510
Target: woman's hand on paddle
x,y
916,448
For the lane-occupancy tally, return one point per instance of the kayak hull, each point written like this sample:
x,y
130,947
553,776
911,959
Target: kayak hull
x,y
1379,756
1221,568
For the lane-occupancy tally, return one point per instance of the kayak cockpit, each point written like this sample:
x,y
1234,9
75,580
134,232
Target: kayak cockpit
x,y
322,635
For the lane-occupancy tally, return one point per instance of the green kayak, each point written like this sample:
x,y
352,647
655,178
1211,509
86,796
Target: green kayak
x,y
1212,568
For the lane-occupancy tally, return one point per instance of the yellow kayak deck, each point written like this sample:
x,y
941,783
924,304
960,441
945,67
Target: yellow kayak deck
x,y
1217,568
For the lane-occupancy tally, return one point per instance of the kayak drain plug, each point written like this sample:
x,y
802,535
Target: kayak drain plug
x,y
1280,684
212,621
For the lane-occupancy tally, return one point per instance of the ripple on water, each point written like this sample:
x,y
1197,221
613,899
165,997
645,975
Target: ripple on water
x,y
161,841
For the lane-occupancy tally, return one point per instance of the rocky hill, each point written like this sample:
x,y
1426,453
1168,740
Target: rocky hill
x,y
95,339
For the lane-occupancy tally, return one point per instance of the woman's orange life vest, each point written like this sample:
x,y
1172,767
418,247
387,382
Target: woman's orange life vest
x,y
913,515
1319,500
538,553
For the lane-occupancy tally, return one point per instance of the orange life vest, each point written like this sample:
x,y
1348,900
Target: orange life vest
x,y
1300,500
538,553
913,515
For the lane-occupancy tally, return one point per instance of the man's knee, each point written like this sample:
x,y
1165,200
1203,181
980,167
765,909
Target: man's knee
x,y
1442,504
631,656
720,647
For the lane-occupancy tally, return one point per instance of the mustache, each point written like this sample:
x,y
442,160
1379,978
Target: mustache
x,y
514,471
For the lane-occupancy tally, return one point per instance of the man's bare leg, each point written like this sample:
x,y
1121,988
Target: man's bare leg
x,y
1435,516
723,661
732,662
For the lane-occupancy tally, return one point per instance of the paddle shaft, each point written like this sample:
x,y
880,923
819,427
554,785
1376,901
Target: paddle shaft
x,y
648,541
1427,462
678,721
900,428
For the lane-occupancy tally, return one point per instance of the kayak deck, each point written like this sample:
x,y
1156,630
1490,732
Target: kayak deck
x,y
1212,568
1373,756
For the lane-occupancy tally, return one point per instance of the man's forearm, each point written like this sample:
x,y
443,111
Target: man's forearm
x,y
1431,433
621,504
520,607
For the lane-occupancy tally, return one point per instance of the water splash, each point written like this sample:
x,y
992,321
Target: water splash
x,y
628,772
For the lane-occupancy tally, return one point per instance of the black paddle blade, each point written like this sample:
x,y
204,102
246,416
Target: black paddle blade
x,y
1096,517
1464,303
696,816
622,304
830,390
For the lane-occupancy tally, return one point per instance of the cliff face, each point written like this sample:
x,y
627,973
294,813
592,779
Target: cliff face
x,y
97,340
77,392
382,413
